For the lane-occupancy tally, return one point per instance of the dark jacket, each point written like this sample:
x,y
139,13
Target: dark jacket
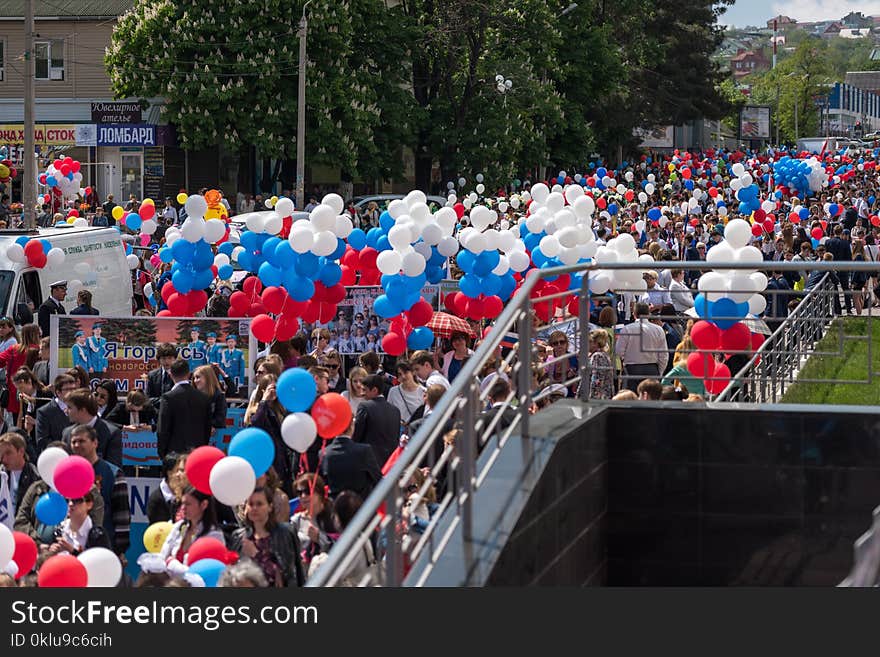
x,y
26,516
378,424
184,420
350,466
839,248
218,410
120,415
109,441
508,417
48,308
159,509
157,386
84,310
51,423
284,544
28,476
266,420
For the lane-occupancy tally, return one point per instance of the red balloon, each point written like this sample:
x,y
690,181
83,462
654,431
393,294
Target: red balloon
x,y
700,364
474,309
274,298
713,192
736,338
178,304
25,555
720,379
198,467
252,286
367,258
286,327
350,258
757,230
263,328
332,414
370,277
38,260
238,303
449,301
311,311
349,276
421,313
769,225
206,548
706,336
147,211
629,195
393,344
62,571
256,308
757,341
459,210
875,220
73,213
335,294
164,313
65,169
816,233
196,299
686,173
74,477
326,312
759,215
166,291
601,203
493,306
32,248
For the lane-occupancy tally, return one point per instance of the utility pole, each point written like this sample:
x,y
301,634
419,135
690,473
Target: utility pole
x,y
29,163
301,113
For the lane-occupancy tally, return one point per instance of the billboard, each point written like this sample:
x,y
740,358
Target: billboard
x,y
123,349
754,122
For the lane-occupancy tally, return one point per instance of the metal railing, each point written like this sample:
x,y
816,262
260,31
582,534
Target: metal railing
x,y
866,557
459,442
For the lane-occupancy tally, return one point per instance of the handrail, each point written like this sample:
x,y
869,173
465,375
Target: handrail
x,y
463,395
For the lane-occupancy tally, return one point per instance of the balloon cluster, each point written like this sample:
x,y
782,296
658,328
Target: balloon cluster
x,y
38,253
726,297
63,178
7,170
800,176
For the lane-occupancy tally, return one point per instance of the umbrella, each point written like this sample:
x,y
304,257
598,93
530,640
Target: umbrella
x,y
444,325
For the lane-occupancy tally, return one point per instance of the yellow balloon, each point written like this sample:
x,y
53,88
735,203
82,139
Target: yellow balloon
x,y
156,534
148,201
181,198
672,167
118,212
70,220
274,200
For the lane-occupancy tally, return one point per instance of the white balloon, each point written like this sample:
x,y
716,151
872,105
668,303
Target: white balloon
x,y
555,202
589,249
568,237
414,197
148,290
399,236
256,223
148,227
738,169
540,192
273,224
284,207
7,545
747,254
413,264
196,206
573,193
301,238
55,257
643,197
389,262
757,304
600,283
477,243
334,201
420,213
215,229
550,246
193,229
740,286
759,281
221,259
506,241
232,480
397,208
623,243
47,462
446,219
721,252
738,233
344,226
519,261
569,256
491,236
535,223
649,189
480,188
15,252
132,261
323,217
432,234
713,285
325,243
448,246
103,567
82,222
502,267
746,180
423,249
298,431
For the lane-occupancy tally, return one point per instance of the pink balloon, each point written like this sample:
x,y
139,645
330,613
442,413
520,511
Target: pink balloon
x,y
145,239
155,260
74,477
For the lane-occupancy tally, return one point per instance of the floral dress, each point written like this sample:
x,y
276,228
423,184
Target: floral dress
x,y
601,376
267,563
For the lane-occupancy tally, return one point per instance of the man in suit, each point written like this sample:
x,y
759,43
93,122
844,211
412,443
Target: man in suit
x,y
52,305
841,249
19,473
159,380
349,465
83,409
500,409
377,422
52,417
184,414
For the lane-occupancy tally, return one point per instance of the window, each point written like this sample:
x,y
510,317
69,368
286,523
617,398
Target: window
x,y
49,60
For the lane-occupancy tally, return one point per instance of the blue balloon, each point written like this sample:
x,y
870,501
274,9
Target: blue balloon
x,y
46,245
492,284
421,338
51,508
724,313
247,262
385,307
832,209
804,213
50,180
330,274
532,240
340,250
486,262
224,272
296,390
386,221
434,274
22,241
255,446
248,240
268,249
382,244
508,285
209,570
299,288
654,214
613,209
373,236
358,239
465,260
226,248
203,280
133,221
182,251
701,306
183,281
285,257
539,258
437,259
166,255
204,256
270,275
470,286
307,264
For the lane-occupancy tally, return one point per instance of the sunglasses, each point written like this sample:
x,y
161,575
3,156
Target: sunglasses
x,y
303,492
78,500
558,343
333,366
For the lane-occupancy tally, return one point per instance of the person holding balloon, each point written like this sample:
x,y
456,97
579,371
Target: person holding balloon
x,y
273,546
77,532
199,519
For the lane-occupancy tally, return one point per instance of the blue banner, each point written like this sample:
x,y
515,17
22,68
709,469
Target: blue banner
x,y
115,134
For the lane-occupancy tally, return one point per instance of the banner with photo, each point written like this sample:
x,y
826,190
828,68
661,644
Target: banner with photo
x,y
123,349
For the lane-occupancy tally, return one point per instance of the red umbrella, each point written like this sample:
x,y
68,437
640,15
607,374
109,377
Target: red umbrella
x,y
444,325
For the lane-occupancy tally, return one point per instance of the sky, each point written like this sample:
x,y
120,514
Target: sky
x,y
757,12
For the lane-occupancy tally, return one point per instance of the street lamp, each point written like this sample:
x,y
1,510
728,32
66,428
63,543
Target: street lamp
x,y
502,85
301,112
569,9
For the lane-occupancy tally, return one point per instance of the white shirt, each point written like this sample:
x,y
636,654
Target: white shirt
x,y
682,299
656,296
77,539
642,343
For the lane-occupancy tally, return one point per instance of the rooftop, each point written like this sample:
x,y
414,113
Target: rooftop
x,y
66,8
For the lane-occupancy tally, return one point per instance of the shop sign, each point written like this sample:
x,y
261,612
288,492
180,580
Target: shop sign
x,y
50,134
139,134
116,113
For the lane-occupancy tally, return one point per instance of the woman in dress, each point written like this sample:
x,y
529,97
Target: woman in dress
x,y
601,369
272,545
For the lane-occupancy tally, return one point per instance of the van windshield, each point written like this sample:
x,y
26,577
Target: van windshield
x,y
6,279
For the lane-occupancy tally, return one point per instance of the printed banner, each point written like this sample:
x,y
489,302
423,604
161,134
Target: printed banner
x,y
123,349
61,134
139,489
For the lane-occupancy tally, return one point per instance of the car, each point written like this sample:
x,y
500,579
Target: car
x,y
382,200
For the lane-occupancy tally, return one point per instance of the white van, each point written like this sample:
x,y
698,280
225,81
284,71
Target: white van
x,y
95,256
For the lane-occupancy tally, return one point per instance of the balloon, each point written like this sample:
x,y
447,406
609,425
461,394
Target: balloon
x,y
74,477
737,338
62,570
181,198
48,460
705,336
331,413
51,508
199,465
700,364
296,390
102,566
155,535
206,547
719,379
232,480
263,328
209,570
25,555
393,344
255,446
298,430
118,212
